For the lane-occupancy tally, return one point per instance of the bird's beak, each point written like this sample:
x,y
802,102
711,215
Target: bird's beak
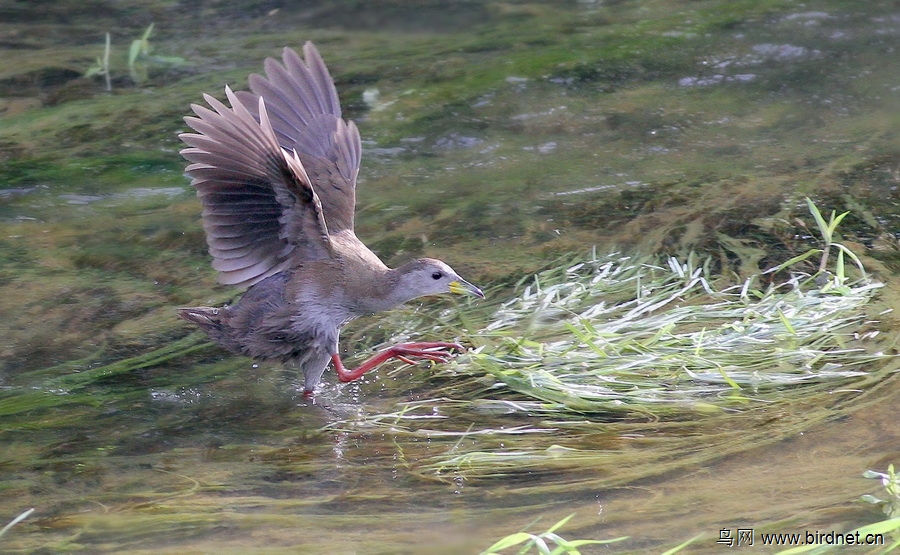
x,y
463,287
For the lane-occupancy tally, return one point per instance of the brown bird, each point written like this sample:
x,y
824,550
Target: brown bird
x,y
276,175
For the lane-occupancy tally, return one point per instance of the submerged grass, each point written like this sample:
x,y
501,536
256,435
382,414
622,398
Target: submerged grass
x,y
539,542
676,342
16,520
618,333
596,360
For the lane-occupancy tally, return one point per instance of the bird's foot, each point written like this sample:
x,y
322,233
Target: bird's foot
x,y
437,351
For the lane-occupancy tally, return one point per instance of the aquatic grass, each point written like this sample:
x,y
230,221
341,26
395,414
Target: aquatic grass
x,y
598,451
592,360
615,331
15,521
539,542
70,384
827,232
139,57
530,542
101,67
891,482
86,376
885,528
737,367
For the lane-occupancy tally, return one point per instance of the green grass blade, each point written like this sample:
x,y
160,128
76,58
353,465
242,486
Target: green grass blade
x,y
794,260
16,520
560,524
852,256
835,221
820,221
507,542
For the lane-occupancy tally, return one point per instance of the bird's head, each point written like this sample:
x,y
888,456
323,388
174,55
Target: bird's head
x,y
427,276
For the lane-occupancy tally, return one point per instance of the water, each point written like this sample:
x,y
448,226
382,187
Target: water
x,y
534,128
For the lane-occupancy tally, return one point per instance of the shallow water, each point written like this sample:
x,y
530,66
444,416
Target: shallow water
x,y
540,129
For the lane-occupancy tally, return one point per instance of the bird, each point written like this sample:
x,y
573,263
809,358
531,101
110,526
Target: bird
x,y
276,175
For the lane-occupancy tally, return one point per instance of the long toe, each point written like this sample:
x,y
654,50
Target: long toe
x,y
425,345
436,356
404,353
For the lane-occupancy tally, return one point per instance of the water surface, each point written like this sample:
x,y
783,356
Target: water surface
x,y
497,136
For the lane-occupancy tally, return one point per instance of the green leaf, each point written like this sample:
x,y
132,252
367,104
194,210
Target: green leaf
x,y
820,221
882,527
786,323
836,221
147,33
170,60
560,524
542,546
585,339
852,256
792,261
727,378
508,541
839,267
134,52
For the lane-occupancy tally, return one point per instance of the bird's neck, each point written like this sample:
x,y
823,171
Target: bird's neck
x,y
391,291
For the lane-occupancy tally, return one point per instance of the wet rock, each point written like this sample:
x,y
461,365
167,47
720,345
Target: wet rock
x,y
455,140
784,52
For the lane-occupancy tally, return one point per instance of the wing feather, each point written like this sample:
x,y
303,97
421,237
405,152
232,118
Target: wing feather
x,y
305,113
260,211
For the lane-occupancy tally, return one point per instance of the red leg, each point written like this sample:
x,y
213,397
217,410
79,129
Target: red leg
x,y
403,351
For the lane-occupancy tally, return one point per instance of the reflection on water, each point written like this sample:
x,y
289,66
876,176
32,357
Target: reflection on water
x,y
538,129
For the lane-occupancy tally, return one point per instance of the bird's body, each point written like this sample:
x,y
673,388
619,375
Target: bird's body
x,y
276,174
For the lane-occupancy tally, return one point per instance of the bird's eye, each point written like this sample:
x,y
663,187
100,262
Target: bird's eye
x,y
437,275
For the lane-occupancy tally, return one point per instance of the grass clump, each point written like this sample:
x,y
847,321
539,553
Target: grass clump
x,y
615,332
671,339
891,482
593,358
539,542
139,59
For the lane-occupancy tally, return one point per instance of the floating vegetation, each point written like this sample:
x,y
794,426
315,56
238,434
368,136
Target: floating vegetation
x,y
620,346
539,542
676,342
16,520
618,333
891,482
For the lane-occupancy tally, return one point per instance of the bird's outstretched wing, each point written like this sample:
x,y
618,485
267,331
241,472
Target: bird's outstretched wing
x,y
305,111
260,211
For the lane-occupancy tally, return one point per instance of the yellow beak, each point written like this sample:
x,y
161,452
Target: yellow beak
x,y
463,287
